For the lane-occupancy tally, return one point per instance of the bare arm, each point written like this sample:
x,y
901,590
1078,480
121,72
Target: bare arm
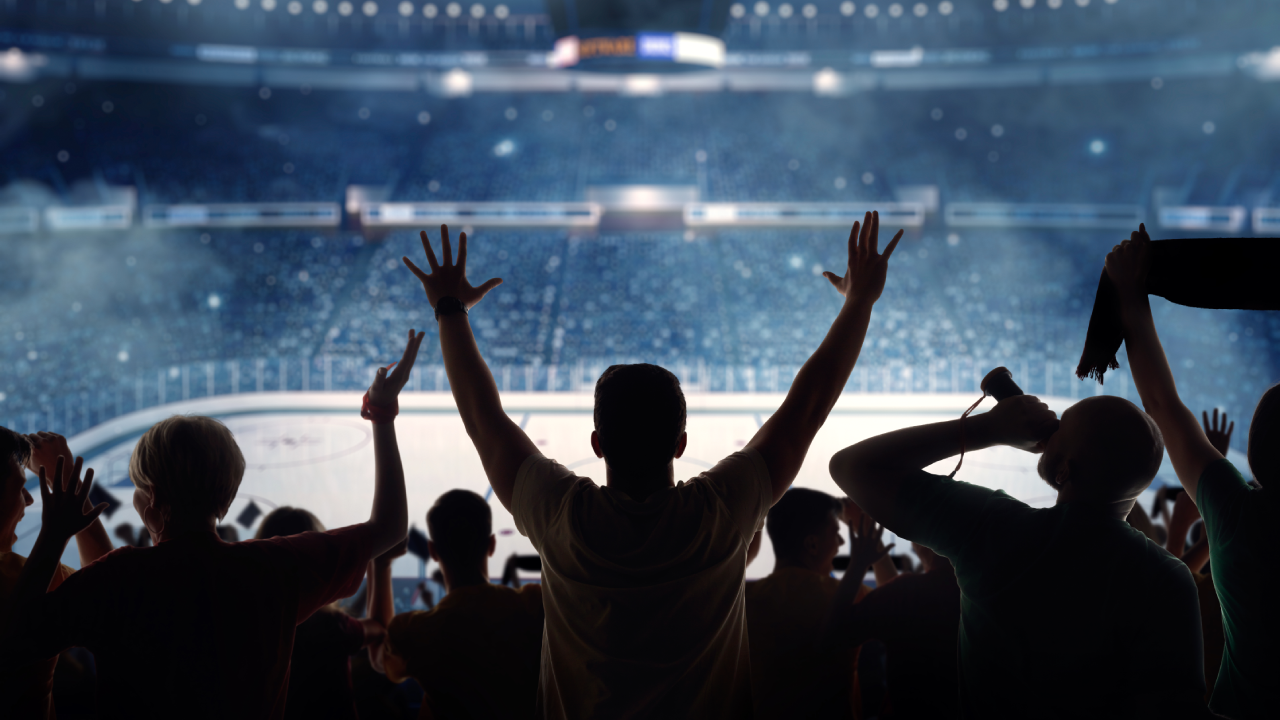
x,y
1189,449
389,517
783,441
380,605
502,445
870,471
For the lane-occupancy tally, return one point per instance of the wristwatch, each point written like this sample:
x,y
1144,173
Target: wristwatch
x,y
449,306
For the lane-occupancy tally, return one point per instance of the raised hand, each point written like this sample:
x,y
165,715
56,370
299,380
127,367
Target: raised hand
x,y
386,387
866,544
1128,263
395,551
865,274
449,279
1021,421
65,499
46,448
1219,435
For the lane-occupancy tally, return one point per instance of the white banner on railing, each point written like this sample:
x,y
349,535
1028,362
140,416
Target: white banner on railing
x,y
1051,215
1266,220
301,214
1203,217
89,217
14,220
498,214
799,214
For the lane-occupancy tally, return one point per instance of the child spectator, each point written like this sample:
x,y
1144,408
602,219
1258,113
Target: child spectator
x,y
476,654
320,672
643,578
787,611
194,626
1240,520
27,688
1068,611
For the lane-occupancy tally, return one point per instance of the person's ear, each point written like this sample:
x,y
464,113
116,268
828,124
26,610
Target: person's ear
x,y
1063,476
681,443
811,544
431,550
493,544
595,444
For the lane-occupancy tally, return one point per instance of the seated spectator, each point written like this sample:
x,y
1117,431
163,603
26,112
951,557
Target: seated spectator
x,y
476,654
1068,611
27,687
320,671
787,611
194,626
1240,520
643,577
917,617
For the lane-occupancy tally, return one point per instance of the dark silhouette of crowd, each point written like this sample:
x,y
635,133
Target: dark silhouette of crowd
x,y
1085,609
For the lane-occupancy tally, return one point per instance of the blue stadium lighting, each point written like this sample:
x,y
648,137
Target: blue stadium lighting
x,y
504,148
215,301
1097,147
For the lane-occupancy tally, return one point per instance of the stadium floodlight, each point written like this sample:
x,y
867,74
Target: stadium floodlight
x,y
294,7
453,9
240,4
1082,3
1053,4
193,2
737,10
945,7
1097,147
477,11
1027,4
1112,2
809,11
895,10
785,10
501,12
165,2
871,10
430,10
1000,5
847,8
268,5
320,7
1208,127
345,8
457,82
406,8
762,8
920,10
370,8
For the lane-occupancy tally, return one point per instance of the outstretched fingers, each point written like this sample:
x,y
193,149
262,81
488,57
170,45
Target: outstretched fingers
x,y
875,233
888,251
864,237
448,247
414,268
462,251
431,255
854,234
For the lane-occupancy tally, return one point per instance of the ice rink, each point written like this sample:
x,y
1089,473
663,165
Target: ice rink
x,y
312,450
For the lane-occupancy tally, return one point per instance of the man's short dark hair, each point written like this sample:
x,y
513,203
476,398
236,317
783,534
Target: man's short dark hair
x,y
800,513
15,445
459,524
285,521
639,415
1264,437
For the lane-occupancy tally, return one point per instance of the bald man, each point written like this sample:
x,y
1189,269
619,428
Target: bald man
x,y
1066,611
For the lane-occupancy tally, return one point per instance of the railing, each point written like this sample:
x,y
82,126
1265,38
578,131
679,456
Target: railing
x,y
76,413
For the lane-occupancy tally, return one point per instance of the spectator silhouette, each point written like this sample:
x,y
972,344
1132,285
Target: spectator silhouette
x,y
194,626
917,617
1240,519
27,688
476,653
1068,611
793,673
320,670
643,577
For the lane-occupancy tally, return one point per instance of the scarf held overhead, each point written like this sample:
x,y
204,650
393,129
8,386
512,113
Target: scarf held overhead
x,y
1216,273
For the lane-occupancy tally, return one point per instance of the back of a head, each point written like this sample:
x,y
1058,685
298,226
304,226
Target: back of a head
x,y
1264,438
191,466
1115,446
800,513
460,524
639,415
285,521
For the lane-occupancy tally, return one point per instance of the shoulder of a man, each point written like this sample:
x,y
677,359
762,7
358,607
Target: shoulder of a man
x,y
541,488
1222,495
944,514
741,483
325,565
531,598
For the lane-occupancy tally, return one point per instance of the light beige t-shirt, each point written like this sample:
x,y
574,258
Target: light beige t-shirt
x,y
645,604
